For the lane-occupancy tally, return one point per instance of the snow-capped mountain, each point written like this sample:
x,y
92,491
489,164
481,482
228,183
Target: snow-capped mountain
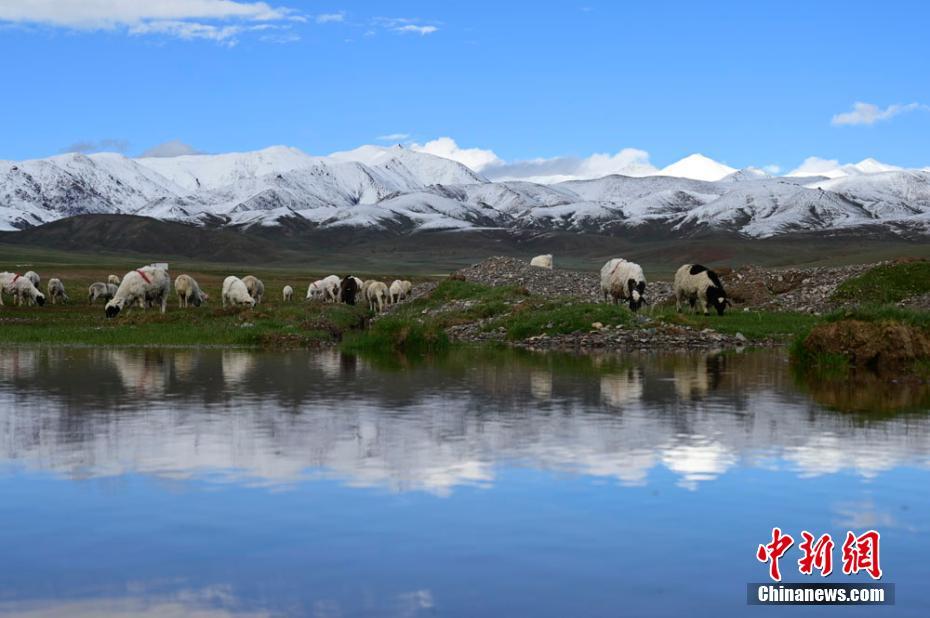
x,y
400,189
698,167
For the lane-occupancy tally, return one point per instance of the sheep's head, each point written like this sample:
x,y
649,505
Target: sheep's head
x,y
636,294
40,298
113,308
718,299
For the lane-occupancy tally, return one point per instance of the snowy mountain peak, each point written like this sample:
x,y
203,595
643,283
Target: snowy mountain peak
x,y
698,167
871,166
399,188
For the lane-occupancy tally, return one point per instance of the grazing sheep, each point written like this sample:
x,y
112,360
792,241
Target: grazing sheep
x,y
236,293
315,290
34,277
106,291
255,287
20,288
623,280
399,290
394,291
188,291
348,290
698,285
331,288
148,286
113,280
287,293
377,294
56,291
542,261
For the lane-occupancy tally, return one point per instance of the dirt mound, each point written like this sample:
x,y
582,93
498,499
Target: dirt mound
x,y
793,289
880,346
555,283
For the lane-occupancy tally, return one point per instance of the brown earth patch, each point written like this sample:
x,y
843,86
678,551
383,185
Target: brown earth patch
x,y
881,346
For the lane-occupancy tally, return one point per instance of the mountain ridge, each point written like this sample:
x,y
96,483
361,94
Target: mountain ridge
x,y
395,188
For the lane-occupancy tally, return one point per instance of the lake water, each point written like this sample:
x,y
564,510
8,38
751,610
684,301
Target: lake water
x,y
484,483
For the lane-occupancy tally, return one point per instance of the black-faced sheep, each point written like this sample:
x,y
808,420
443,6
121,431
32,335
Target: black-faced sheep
x,y
348,290
56,291
287,294
542,261
148,286
623,281
699,286
255,287
235,293
189,292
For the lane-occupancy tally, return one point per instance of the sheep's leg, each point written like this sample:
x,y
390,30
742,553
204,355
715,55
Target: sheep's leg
x,y
702,306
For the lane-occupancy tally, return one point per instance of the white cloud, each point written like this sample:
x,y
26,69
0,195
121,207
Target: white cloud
x,y
216,20
868,113
629,161
393,137
421,30
771,169
107,144
815,166
475,158
172,148
406,25
329,18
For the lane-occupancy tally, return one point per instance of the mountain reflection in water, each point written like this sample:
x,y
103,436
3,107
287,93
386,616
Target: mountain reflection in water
x,y
278,418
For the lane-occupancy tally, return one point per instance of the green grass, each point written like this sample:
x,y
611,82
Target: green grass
x,y
754,325
561,316
890,283
398,335
269,325
882,313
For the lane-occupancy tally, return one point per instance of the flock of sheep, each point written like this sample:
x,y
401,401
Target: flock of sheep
x,y
150,286
622,280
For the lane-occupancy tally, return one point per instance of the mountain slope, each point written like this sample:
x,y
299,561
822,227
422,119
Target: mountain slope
x,y
396,189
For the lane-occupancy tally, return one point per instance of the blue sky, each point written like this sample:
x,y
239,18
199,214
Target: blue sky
x,y
746,83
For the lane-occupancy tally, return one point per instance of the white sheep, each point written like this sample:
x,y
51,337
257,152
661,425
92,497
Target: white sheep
x,y
188,291
255,287
542,261
106,291
399,290
287,293
315,290
622,280
331,288
56,291
25,293
113,280
148,286
20,288
235,293
377,293
33,276
699,286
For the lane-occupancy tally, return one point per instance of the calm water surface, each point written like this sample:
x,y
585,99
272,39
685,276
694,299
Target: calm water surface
x,y
232,483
